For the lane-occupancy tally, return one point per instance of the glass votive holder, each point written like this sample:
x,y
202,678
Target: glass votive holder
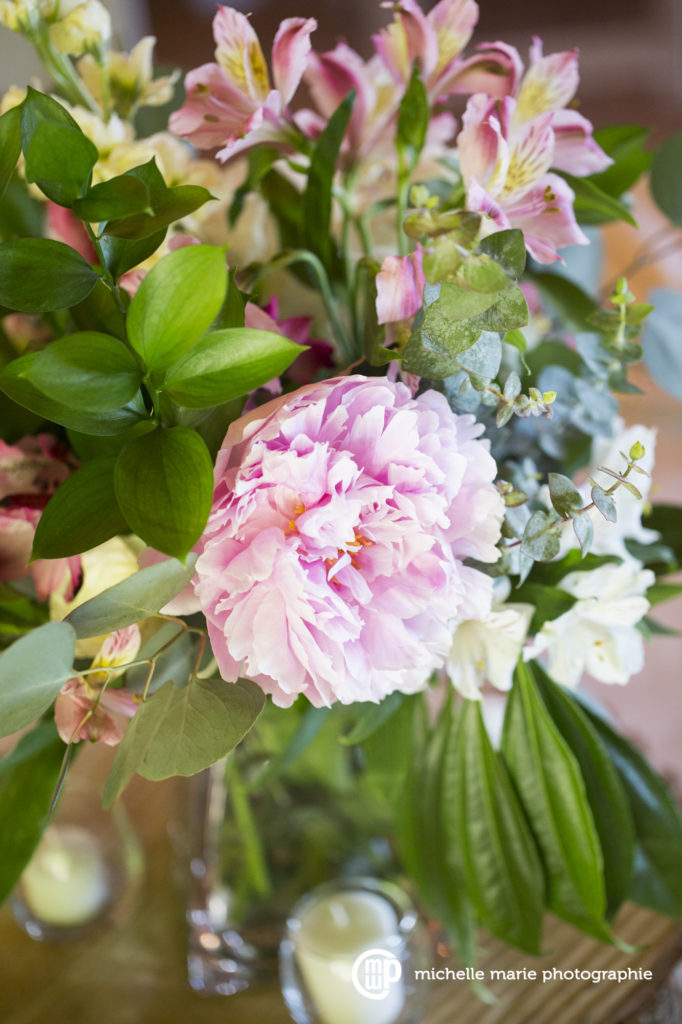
x,y
351,954
85,873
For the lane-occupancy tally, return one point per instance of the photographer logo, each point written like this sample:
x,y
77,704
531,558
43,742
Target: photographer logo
x,y
374,972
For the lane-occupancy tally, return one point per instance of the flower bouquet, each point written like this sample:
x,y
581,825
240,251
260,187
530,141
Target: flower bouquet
x,y
313,439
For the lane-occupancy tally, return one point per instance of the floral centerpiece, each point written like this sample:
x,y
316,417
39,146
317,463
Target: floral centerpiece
x,y
307,431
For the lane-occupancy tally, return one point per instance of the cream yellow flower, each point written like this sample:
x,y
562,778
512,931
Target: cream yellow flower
x,y
86,27
130,78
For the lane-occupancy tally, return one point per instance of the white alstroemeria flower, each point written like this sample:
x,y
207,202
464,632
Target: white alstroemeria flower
x,y
609,538
487,649
86,27
597,635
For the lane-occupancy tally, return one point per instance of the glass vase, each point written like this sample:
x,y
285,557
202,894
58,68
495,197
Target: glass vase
x,y
274,819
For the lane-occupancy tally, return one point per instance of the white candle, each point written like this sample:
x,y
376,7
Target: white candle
x,y
66,881
347,947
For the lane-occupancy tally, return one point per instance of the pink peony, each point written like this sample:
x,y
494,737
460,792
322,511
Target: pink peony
x,y
332,563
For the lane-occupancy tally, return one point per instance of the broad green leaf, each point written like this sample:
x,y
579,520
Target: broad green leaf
x,y
623,143
548,602
594,206
122,254
565,496
660,592
10,145
181,730
439,333
28,777
317,198
666,520
164,487
612,817
16,382
657,881
550,786
18,614
99,312
118,197
88,371
483,274
503,873
484,357
176,303
541,539
59,160
32,672
59,157
508,312
82,513
170,205
227,364
133,599
666,187
37,275
507,248
413,123
424,362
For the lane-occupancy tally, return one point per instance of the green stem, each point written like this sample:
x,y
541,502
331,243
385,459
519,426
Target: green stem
x,y
403,192
62,70
107,276
256,864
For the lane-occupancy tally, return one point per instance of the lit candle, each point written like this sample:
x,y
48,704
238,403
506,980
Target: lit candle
x,y
347,947
66,881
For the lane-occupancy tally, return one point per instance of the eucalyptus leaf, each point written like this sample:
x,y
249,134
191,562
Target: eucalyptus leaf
x,y
182,730
484,356
508,313
605,503
483,274
32,672
176,303
82,513
88,371
507,248
541,541
38,275
550,786
227,364
459,304
28,777
440,333
565,497
133,599
583,527
164,488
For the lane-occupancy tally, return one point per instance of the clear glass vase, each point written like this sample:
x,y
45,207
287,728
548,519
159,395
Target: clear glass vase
x,y
269,823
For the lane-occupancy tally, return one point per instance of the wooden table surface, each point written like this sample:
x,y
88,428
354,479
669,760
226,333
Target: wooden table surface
x,y
136,975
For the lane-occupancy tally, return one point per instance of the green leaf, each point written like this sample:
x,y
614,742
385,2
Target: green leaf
x,y
164,487
605,792
441,334
665,184
549,603
458,304
88,371
565,497
371,717
10,145
660,340
118,197
413,123
424,362
121,254
568,301
182,730
503,873
483,274
658,880
509,312
666,520
32,672
37,275
176,303
541,540
227,364
660,592
16,382
99,312
131,600
171,205
605,503
552,792
261,159
18,614
59,157
28,777
483,359
623,143
594,206
374,333
507,248
583,528
82,513
317,199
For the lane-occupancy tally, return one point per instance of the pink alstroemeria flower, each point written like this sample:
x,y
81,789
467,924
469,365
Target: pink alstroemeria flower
x,y
30,473
436,40
230,103
400,287
79,714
